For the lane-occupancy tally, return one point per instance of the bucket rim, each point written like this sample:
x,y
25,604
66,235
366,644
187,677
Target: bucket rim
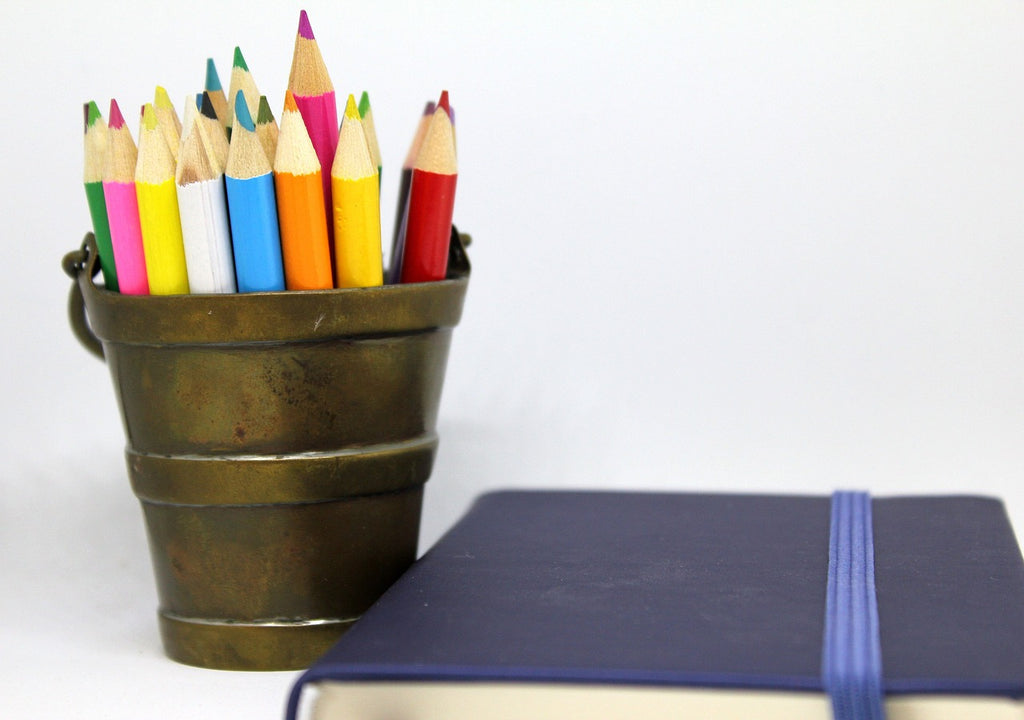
x,y
285,316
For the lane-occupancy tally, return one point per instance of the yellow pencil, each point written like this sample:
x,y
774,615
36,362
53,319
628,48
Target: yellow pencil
x,y
167,117
356,197
158,210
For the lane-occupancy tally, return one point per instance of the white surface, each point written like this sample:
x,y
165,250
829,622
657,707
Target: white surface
x,y
743,246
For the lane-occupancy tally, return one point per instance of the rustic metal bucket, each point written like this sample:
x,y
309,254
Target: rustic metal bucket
x,y
278,443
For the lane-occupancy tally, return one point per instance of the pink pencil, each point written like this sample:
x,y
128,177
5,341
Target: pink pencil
x,y
314,95
123,206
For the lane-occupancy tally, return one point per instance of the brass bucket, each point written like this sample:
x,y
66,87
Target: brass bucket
x,y
278,443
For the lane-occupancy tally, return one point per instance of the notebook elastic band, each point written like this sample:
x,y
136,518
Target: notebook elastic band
x,y
851,664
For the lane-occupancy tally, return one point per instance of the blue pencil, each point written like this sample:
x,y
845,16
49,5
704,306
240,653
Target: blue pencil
x,y
252,208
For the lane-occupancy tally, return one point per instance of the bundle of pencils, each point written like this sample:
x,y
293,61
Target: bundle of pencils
x,y
226,200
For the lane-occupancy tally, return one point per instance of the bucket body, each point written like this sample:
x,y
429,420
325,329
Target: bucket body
x,y
278,444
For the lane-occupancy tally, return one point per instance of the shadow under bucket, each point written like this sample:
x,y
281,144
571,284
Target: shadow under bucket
x,y
278,443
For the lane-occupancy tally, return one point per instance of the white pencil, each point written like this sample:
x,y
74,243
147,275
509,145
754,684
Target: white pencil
x,y
202,204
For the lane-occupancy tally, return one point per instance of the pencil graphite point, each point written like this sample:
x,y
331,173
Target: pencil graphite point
x,y
161,99
289,102
265,114
239,61
91,113
351,110
305,29
364,104
212,78
149,116
206,106
443,103
191,110
242,115
116,118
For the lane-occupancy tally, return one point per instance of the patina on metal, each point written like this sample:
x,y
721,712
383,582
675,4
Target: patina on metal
x,y
278,444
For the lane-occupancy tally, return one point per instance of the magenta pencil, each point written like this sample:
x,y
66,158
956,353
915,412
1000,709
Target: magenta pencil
x,y
123,206
313,91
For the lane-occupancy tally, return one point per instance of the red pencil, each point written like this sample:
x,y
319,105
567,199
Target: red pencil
x,y
431,201
313,91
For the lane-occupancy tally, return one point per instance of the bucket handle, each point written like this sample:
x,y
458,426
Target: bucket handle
x,y
75,263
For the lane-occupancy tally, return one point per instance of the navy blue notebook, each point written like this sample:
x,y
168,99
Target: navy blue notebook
x,y
654,594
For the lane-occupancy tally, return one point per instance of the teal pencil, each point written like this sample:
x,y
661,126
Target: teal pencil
x,y
252,208
215,90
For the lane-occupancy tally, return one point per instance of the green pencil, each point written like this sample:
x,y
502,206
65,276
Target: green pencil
x,y
241,80
95,156
266,129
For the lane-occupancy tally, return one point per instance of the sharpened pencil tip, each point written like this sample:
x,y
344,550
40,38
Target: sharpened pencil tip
x,y
206,106
429,108
443,103
351,109
91,114
305,29
212,78
149,120
242,116
116,118
264,115
289,102
239,61
364,104
161,99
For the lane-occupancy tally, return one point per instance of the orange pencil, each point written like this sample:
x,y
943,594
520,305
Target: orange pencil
x,y
305,247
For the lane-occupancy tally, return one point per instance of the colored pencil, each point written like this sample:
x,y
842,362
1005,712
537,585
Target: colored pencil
x,y
311,86
398,230
167,117
123,206
158,210
217,137
203,209
216,91
192,106
203,112
252,208
356,196
431,201
241,79
305,246
96,141
366,116
266,129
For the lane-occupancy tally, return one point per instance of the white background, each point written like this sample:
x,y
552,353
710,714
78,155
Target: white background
x,y
717,246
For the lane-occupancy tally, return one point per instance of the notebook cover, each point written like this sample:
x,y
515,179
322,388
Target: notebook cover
x,y
712,590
